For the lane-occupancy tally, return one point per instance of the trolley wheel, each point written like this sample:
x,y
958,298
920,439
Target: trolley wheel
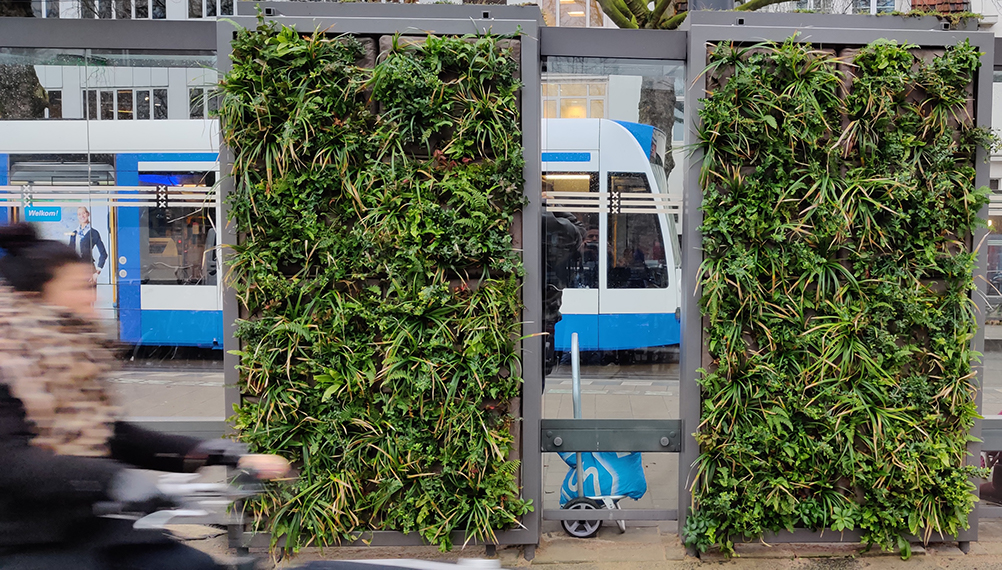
x,y
582,528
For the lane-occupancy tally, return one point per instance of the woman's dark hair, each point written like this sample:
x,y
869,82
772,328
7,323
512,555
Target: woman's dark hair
x,y
27,262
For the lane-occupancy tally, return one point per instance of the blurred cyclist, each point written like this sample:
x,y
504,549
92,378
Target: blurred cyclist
x,y
62,446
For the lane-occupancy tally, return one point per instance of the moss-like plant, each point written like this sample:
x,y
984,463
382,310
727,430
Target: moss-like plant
x,y
837,281
379,284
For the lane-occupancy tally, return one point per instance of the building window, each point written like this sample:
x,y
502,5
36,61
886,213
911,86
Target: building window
x,y
123,9
142,104
572,13
196,103
202,103
575,100
118,9
107,105
878,7
159,104
120,104
55,110
209,8
125,111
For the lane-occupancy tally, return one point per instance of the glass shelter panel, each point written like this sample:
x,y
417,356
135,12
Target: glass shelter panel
x,y
101,151
612,197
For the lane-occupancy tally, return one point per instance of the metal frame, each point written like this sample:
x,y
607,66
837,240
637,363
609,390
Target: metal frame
x,y
177,36
651,436
706,27
378,19
538,42
613,43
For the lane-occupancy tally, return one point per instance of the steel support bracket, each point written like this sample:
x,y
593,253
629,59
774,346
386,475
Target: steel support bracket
x,y
658,436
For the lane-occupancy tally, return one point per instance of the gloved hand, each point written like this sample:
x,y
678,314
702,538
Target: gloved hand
x,y
219,452
136,492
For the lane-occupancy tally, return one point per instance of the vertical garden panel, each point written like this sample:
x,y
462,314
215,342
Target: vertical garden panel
x,y
378,279
840,177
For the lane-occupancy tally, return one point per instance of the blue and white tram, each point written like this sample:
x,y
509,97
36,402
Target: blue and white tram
x,y
622,291
159,276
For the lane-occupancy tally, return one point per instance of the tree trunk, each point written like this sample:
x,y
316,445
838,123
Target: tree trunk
x,y
21,93
16,9
657,108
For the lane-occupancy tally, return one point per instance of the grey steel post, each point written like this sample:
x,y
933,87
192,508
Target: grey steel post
x,y
983,118
576,388
227,236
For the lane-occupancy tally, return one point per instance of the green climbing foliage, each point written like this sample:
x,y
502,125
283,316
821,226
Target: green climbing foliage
x,y
378,280
837,280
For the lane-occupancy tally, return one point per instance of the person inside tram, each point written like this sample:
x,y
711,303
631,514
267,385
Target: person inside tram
x,y
84,239
563,235
64,445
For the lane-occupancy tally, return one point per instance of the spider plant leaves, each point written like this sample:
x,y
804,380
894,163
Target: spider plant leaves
x,y
836,288
378,281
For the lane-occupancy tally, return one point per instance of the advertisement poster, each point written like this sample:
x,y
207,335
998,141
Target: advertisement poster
x,y
87,229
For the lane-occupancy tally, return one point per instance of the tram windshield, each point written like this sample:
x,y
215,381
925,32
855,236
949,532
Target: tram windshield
x,y
178,244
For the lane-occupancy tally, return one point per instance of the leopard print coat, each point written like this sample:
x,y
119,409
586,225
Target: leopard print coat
x,y
55,364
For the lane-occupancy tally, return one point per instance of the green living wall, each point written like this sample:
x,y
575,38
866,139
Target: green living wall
x,y
838,211
378,280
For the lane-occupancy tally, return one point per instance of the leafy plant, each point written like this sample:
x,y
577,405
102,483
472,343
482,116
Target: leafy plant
x,y
379,282
839,204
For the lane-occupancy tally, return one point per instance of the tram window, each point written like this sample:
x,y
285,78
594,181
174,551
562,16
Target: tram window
x,y
125,105
104,9
159,9
88,9
142,105
210,8
194,8
55,104
159,104
226,8
636,245
107,105
142,8
572,254
177,247
52,9
62,169
177,244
